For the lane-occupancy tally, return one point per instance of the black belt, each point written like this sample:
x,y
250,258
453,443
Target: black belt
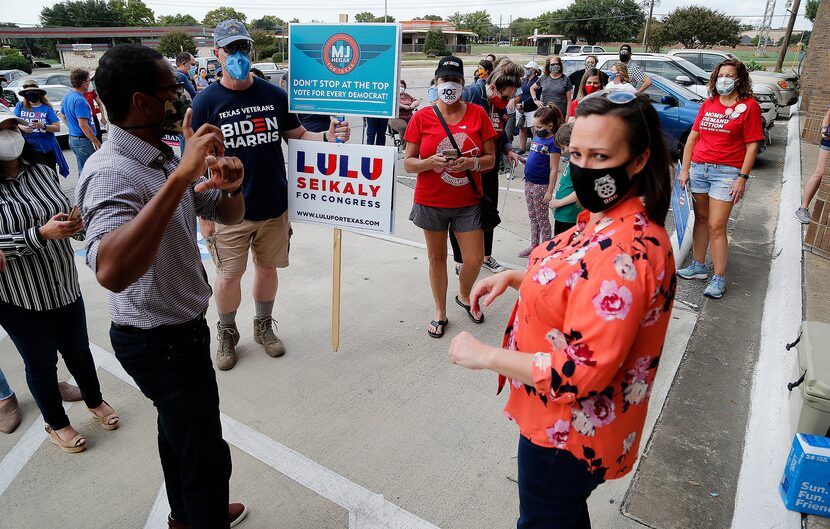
x,y
72,136
161,329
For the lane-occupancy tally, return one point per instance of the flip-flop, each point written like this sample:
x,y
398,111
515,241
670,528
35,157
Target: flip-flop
x,y
470,311
436,324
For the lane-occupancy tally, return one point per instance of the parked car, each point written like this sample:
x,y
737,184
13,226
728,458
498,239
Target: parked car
x,y
271,71
784,85
573,49
680,71
7,76
677,107
43,79
55,95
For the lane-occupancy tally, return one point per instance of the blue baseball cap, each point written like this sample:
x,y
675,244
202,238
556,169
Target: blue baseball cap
x,y
229,31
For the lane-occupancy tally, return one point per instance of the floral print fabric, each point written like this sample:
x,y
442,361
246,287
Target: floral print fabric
x,y
593,309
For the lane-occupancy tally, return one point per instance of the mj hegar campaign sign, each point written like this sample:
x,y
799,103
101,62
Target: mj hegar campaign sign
x,y
344,69
342,185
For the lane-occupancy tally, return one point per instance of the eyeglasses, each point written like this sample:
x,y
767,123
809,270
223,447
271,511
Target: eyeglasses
x,y
238,45
177,87
620,98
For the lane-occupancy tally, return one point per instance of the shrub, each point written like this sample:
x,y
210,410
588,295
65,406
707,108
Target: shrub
x,y
434,43
267,52
279,58
12,62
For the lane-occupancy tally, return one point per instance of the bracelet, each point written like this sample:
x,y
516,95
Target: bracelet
x,y
326,137
744,176
232,194
476,164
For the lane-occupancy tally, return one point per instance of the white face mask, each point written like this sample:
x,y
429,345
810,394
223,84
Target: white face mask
x,y
11,145
449,93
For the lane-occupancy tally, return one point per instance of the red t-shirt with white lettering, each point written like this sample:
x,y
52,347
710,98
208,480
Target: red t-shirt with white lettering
x,y
725,131
437,187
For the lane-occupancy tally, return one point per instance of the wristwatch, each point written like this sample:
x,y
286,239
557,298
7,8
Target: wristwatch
x,y
744,176
232,194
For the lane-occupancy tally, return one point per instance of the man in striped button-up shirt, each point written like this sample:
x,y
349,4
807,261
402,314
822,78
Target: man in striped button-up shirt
x,y
139,203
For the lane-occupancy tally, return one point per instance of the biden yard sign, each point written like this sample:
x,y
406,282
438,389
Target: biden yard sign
x,y
342,185
344,69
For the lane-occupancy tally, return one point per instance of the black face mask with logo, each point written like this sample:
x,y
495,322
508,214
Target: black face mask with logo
x,y
173,118
600,189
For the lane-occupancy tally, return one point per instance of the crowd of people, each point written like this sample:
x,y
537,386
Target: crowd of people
x,y
581,346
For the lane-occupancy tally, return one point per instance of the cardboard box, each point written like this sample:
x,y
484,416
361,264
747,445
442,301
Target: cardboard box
x,y
805,486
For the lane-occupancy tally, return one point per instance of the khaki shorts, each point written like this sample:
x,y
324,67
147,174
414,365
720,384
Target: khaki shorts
x,y
270,241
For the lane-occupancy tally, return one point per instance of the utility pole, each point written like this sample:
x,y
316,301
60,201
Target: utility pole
x,y
499,42
510,31
793,12
384,10
648,25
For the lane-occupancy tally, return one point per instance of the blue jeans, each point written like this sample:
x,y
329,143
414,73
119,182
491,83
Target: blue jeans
x,y
172,367
376,131
38,336
83,149
553,488
5,390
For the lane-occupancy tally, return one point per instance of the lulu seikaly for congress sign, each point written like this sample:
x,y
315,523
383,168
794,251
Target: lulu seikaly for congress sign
x,y
344,69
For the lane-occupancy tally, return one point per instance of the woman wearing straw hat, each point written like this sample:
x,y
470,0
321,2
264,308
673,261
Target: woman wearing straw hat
x,y
41,125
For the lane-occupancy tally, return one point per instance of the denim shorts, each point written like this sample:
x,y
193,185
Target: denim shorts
x,y
440,219
712,179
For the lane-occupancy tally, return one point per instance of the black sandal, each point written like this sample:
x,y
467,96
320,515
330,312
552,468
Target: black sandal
x,y
470,311
437,324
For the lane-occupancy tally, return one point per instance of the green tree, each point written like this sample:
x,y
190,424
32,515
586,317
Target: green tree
x,y
177,20
602,20
456,19
658,37
262,42
82,13
428,17
522,27
269,23
215,16
479,23
811,9
175,42
434,43
366,17
701,27
134,12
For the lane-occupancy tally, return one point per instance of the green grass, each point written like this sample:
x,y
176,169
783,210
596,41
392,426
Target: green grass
x,y
482,49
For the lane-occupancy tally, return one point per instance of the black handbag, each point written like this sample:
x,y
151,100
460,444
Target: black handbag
x,y
489,212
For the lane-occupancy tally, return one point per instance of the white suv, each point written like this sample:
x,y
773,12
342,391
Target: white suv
x,y
783,85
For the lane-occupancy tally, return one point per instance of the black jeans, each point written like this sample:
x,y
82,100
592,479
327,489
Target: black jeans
x,y
38,336
490,187
172,367
553,488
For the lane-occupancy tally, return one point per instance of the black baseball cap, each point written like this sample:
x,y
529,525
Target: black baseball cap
x,y
450,66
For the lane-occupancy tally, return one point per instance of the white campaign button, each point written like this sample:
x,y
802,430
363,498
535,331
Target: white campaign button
x,y
740,108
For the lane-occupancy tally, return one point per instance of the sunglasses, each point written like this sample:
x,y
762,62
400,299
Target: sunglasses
x,y
620,98
240,45
176,87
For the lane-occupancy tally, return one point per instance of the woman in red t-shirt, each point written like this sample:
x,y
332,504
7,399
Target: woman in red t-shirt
x,y
95,104
717,160
444,198
591,82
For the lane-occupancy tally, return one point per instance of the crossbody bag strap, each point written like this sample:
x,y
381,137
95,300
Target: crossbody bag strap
x,y
455,146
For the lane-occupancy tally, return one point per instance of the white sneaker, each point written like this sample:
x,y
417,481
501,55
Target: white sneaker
x,y
492,265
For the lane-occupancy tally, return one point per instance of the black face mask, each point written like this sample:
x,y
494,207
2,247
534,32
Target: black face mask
x,y
542,133
624,55
600,189
32,97
171,121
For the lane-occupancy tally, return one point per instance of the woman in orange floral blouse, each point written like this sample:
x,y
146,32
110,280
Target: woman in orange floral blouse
x,y
584,340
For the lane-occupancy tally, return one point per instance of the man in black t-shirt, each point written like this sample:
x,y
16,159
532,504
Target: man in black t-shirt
x,y
254,119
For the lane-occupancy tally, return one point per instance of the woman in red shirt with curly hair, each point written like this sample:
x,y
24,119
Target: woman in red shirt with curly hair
x,y
584,340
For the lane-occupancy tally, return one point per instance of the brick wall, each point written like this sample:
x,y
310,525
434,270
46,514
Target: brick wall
x,y
815,97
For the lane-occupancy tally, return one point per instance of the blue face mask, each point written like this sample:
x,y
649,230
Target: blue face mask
x,y
238,66
191,71
528,72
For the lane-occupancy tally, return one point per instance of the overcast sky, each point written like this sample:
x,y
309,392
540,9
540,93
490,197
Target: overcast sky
x,y
751,11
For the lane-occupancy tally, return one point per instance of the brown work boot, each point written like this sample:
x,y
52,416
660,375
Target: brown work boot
x,y
265,336
9,414
236,513
227,337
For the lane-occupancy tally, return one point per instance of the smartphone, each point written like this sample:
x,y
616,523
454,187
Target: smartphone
x,y
450,154
74,214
